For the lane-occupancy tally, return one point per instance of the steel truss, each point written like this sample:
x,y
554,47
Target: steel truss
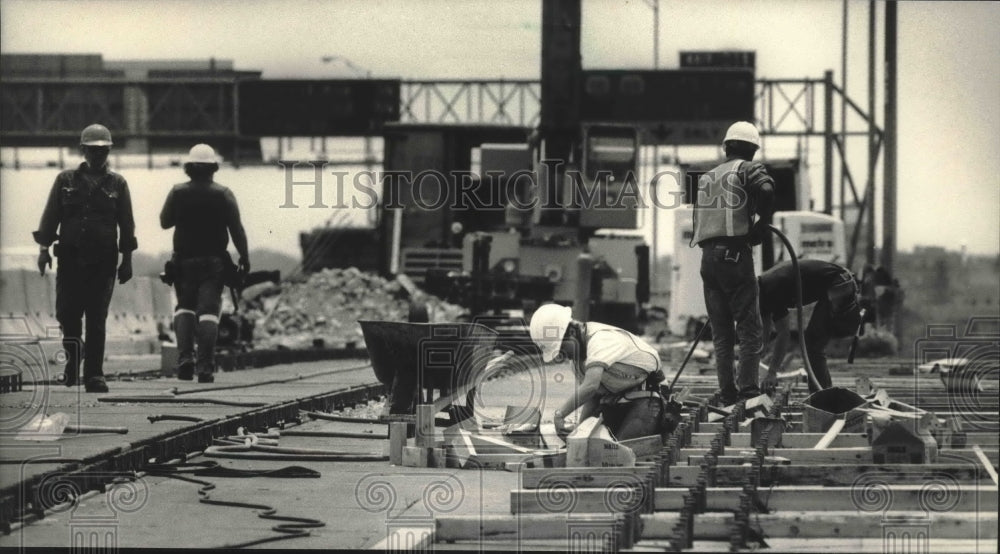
x,y
48,112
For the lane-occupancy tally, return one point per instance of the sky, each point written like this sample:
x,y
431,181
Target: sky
x,y
949,52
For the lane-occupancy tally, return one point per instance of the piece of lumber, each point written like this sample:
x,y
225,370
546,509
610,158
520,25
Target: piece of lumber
x,y
576,500
425,426
830,525
406,539
512,527
967,498
485,444
788,440
829,474
644,446
416,456
852,455
584,477
397,441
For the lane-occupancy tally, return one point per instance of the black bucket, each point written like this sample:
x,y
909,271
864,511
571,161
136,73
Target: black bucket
x,y
822,408
440,356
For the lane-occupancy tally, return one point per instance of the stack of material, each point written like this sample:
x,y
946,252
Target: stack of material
x,y
324,309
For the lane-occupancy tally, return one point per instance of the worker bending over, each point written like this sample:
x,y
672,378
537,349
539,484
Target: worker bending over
x,y
613,368
837,313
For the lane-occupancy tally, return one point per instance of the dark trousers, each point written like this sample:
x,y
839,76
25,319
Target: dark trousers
x,y
638,418
83,290
731,295
817,336
199,288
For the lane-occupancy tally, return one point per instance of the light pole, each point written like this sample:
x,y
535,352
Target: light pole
x,y
655,5
348,64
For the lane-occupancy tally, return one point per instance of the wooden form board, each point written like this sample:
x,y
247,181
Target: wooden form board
x,y
832,525
796,499
538,526
830,475
813,497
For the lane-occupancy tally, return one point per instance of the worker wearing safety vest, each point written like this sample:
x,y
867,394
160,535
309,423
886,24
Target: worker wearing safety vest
x,y
618,374
88,215
731,213
204,214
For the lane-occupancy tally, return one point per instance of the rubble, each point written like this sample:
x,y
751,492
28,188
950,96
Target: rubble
x,y
323,309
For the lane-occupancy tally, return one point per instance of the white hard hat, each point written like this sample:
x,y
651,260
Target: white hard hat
x,y
202,154
548,327
96,135
744,131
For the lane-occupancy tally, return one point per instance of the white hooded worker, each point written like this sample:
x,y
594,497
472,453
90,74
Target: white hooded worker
x,y
617,373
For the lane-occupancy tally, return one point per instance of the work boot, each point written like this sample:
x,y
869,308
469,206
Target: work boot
x,y
95,384
206,378
185,370
722,399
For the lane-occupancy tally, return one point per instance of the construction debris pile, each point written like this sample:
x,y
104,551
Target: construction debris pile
x,y
323,309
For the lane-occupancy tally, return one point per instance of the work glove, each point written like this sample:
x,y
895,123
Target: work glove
x,y
758,233
44,259
125,271
559,421
497,363
769,384
244,265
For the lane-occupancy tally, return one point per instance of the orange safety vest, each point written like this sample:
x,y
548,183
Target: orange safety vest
x,y
722,204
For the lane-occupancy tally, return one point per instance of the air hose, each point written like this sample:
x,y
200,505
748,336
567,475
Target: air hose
x,y
798,304
263,452
293,527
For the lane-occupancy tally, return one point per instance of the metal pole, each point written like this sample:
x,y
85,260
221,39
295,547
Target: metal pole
x,y
656,144
656,34
654,263
828,142
843,110
889,142
236,123
869,204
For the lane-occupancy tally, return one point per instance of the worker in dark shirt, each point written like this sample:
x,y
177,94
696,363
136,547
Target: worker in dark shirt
x,y
837,312
731,213
89,213
204,214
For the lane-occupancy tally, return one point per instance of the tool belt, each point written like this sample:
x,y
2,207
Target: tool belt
x,y
630,396
845,306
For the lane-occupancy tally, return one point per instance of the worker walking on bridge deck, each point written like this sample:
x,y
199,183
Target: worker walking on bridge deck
x,y
837,313
91,209
204,214
728,199
617,372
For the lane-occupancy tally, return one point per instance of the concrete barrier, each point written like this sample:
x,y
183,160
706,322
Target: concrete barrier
x,y
12,288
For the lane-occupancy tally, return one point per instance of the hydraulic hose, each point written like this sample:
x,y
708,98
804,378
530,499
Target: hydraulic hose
x,y
177,392
289,528
694,344
260,452
162,399
798,304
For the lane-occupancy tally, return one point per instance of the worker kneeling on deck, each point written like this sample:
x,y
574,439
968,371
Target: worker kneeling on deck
x,y
204,214
837,313
618,374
